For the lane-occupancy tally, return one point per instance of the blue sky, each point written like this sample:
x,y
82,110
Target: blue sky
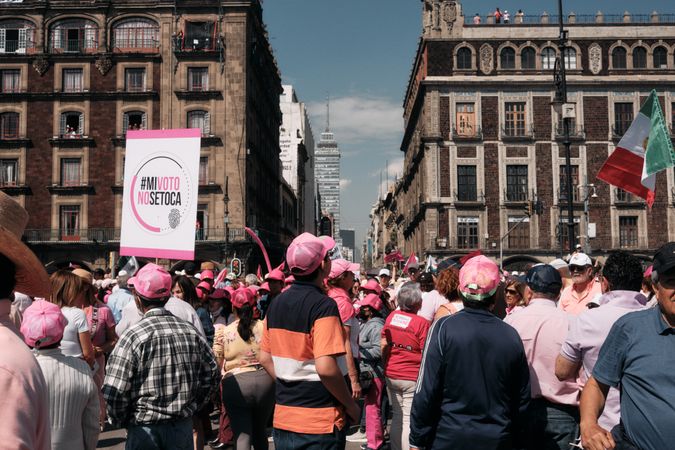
x,y
361,53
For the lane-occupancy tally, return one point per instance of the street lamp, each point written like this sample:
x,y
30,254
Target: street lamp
x,y
588,191
226,221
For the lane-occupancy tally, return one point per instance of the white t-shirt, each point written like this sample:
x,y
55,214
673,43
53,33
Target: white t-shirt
x,y
431,301
77,323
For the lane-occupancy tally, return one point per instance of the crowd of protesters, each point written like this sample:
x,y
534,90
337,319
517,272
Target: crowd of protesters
x,y
460,356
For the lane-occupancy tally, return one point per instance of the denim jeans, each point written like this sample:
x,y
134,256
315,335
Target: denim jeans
x,y
288,440
174,435
621,439
551,426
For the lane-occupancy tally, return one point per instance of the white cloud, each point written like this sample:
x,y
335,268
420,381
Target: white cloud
x,y
344,183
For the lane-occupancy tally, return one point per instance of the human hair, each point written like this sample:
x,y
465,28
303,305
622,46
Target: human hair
x,y
486,303
409,296
447,283
246,322
149,303
188,288
251,279
546,295
519,287
66,287
623,272
7,276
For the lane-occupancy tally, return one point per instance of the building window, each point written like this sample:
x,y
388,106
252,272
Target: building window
x,y
202,222
134,79
548,58
619,58
135,33
199,119
69,220
464,58
8,172
628,232
10,80
520,235
9,125
16,36
660,58
465,119
72,124
203,170
507,58
466,184
563,183
198,79
73,36
528,58
467,232
672,118
639,58
514,120
564,230
134,120
570,58
624,196
199,36
71,171
72,80
623,117
516,183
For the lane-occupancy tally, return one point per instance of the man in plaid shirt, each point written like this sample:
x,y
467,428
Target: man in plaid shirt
x,y
161,371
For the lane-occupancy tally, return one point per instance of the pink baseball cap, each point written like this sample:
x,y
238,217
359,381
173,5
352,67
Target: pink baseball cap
x,y
243,296
206,275
219,294
265,287
306,253
152,282
43,324
340,266
371,300
371,285
479,278
276,275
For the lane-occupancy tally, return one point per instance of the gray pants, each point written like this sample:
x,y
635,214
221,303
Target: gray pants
x,y
249,400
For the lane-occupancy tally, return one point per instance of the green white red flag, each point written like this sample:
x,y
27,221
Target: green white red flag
x,y
643,151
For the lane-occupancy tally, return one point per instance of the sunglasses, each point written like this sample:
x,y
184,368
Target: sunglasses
x,y
577,269
512,292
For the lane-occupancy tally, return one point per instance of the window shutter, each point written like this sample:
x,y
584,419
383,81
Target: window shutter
x,y
207,124
56,37
23,38
125,124
63,124
80,129
144,123
2,40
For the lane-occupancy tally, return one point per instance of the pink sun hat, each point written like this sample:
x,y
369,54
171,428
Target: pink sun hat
x,y
152,282
306,253
276,275
43,324
340,266
479,278
371,300
371,285
243,296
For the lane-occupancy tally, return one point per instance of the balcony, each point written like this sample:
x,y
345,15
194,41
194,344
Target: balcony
x,y
517,195
467,135
577,133
73,40
71,189
517,133
136,40
104,235
469,198
562,195
13,46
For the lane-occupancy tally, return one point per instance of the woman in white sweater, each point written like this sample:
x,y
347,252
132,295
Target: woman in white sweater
x,y
73,400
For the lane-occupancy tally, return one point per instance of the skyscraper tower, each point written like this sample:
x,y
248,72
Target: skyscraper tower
x,y
327,172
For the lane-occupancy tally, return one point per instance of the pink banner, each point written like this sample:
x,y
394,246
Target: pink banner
x,y
157,253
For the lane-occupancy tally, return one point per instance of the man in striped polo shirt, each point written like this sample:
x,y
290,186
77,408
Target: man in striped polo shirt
x,y
303,349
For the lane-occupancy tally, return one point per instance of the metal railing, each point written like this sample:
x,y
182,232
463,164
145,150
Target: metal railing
x,y
469,195
136,38
102,235
571,19
516,195
518,132
16,46
576,132
476,133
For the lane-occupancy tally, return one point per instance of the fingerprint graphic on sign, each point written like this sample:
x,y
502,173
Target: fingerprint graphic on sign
x,y
174,218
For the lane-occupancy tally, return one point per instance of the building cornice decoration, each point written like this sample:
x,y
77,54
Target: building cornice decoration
x,y
40,64
104,64
595,58
486,59
450,14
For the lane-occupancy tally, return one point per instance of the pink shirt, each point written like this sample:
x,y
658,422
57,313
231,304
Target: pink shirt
x,y
543,328
588,332
573,302
431,301
104,320
24,400
345,306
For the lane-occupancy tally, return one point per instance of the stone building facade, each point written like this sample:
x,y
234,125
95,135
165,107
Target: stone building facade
x,y
482,138
77,76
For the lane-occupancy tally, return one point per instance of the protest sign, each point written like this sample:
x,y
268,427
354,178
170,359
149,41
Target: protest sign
x,y
161,182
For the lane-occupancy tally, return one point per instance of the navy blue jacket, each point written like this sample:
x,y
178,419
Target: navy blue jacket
x,y
474,385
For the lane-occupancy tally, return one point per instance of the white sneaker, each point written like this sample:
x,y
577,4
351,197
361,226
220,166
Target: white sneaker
x,y
359,436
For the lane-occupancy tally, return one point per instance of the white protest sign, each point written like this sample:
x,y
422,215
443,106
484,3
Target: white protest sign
x,y
161,182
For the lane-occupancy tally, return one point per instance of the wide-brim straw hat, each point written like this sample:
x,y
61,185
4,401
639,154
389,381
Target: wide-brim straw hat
x,y
31,277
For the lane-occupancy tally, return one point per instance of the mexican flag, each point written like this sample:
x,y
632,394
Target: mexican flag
x,y
643,151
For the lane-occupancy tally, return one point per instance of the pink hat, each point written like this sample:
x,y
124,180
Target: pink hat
x,y
254,289
219,294
479,278
648,272
372,300
340,266
152,282
43,324
265,287
206,275
371,285
306,253
231,290
205,286
276,275
243,296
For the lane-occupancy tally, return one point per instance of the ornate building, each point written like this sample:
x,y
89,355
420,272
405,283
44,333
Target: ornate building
x,y
482,139
327,172
75,77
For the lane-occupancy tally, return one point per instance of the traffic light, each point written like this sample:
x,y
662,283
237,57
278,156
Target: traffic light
x,y
539,207
235,266
529,208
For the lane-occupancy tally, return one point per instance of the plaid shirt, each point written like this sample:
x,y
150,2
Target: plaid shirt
x,y
161,369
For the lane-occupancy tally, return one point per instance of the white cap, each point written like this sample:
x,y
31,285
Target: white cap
x,y
384,272
580,259
558,263
122,274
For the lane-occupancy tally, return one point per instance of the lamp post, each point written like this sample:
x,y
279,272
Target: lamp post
x,y
226,222
588,191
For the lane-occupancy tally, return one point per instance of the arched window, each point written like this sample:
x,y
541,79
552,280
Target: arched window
x,y
507,58
464,58
570,58
9,125
548,58
72,124
135,33
199,119
527,58
660,58
73,36
134,120
16,36
639,58
619,58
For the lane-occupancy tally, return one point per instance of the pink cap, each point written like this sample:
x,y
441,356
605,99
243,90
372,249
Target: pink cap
x,y
479,278
152,282
306,253
219,294
231,290
648,272
265,287
243,296
276,275
43,324
372,300
205,286
206,275
340,266
371,285
254,289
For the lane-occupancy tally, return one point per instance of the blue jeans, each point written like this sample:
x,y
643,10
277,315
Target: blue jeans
x,y
288,440
551,426
174,435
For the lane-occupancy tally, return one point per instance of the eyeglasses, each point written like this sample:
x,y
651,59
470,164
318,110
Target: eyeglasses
x,y
577,269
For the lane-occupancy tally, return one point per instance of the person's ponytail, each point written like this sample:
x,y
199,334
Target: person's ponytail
x,y
245,325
